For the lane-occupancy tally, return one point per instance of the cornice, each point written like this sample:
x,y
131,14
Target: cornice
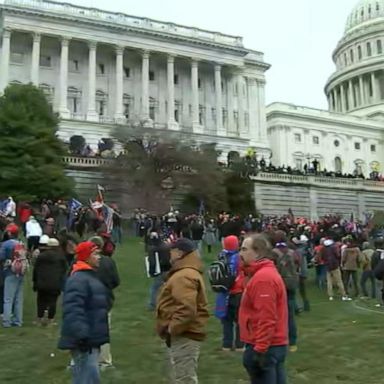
x,y
118,27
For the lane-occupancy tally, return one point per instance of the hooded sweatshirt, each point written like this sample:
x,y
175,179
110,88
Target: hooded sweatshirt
x,y
331,255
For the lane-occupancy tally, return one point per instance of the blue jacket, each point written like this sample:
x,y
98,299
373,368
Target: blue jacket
x,y
85,312
6,251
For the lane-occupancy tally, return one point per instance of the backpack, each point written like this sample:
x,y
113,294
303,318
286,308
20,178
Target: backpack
x,y
285,263
220,275
19,262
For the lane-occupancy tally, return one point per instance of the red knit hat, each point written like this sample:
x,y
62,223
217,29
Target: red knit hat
x,y
84,250
231,243
13,229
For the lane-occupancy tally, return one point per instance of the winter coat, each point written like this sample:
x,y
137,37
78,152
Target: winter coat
x,y
350,258
50,270
210,234
109,276
158,259
197,231
33,229
331,255
182,305
263,314
85,310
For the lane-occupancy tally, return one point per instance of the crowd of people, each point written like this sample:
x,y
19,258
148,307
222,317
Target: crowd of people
x,y
259,277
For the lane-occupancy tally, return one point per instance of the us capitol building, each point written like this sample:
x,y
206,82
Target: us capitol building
x,y
102,71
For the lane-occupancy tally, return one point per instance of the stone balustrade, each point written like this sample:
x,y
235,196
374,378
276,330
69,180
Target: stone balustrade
x,y
85,162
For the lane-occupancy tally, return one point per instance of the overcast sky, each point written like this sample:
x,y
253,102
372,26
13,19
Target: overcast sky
x,y
297,36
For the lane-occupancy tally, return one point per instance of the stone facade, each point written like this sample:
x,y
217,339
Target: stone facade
x,y
102,69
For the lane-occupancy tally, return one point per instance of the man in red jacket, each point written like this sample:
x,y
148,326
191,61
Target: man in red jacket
x,y
263,315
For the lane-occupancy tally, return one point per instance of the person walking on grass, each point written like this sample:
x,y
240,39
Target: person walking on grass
x,y
13,256
330,254
48,280
108,274
263,315
367,274
85,315
182,311
350,258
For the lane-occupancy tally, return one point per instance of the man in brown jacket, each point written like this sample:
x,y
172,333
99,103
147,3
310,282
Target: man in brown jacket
x,y
182,311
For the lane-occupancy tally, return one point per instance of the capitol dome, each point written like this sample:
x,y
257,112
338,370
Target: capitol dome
x,y
364,13
357,85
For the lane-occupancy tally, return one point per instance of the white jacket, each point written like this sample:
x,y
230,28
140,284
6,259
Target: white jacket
x,y
33,228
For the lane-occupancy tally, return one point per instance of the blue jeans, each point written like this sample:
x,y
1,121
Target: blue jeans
x,y
13,301
321,276
292,329
368,275
272,372
157,282
231,330
86,367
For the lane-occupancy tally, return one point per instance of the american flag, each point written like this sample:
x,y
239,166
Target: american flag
x,y
108,217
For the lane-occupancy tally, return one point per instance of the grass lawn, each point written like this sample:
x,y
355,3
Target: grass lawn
x,y
338,342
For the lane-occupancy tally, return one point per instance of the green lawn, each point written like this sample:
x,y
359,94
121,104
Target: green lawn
x,y
338,342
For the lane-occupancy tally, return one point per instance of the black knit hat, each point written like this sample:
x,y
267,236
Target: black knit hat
x,y
185,245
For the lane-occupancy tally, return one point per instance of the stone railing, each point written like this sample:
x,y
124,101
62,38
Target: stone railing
x,y
126,20
85,162
319,181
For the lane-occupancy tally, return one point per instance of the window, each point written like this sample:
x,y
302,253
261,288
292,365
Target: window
x,y
369,49
379,45
74,99
73,65
299,164
373,148
151,76
345,59
176,115
246,119
359,52
190,110
201,114
45,61
225,117
127,72
336,143
16,58
101,107
297,138
213,114
126,110
338,165
315,139
199,82
357,146
101,69
101,102
152,112
236,90
176,79
351,55
236,118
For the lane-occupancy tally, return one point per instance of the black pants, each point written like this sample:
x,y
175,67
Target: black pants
x,y
46,300
231,330
33,242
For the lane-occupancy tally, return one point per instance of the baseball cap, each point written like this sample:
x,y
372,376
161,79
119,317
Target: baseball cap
x,y
13,229
84,250
183,244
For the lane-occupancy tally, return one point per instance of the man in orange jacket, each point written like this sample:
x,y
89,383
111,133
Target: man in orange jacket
x,y
263,315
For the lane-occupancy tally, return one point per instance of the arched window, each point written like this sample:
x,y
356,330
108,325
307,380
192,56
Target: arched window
x,y
379,45
338,165
359,52
74,99
352,55
101,102
127,104
369,49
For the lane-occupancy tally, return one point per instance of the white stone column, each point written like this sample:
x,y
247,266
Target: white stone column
x,y
63,104
350,95
332,107
343,101
119,83
145,88
361,88
374,88
35,65
219,102
261,113
195,96
5,53
253,102
92,114
172,124
240,104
